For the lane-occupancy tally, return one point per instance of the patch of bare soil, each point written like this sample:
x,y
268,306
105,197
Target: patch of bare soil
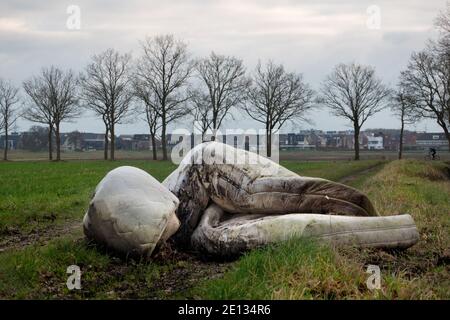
x,y
14,239
186,270
173,275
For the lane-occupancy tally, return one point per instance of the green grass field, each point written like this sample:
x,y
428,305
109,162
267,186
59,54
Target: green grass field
x,y
34,195
42,204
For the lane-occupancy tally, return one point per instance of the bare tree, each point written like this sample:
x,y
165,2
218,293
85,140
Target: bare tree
x,y
276,96
164,69
107,91
9,98
353,92
427,80
54,99
225,84
151,107
404,107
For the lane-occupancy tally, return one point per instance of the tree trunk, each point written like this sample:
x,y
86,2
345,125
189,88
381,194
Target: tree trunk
x,y
447,134
268,143
203,135
214,127
113,142
400,147
356,143
444,127
50,144
105,149
58,143
5,152
163,139
155,156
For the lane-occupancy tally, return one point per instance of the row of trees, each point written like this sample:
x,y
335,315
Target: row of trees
x,y
164,85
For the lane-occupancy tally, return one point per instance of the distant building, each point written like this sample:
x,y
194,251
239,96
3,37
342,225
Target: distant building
x,y
342,139
391,138
137,142
97,143
13,141
409,139
317,139
82,141
125,141
428,140
375,143
371,139
142,142
295,141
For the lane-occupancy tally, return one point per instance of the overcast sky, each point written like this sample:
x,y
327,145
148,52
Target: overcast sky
x,y
308,37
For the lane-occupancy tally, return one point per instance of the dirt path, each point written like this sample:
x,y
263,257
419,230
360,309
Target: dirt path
x,y
348,180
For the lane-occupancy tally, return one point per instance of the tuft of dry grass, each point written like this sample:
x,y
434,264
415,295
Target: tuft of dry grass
x,y
421,189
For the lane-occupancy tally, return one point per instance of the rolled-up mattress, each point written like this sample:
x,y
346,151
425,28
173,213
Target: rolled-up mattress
x,y
219,233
